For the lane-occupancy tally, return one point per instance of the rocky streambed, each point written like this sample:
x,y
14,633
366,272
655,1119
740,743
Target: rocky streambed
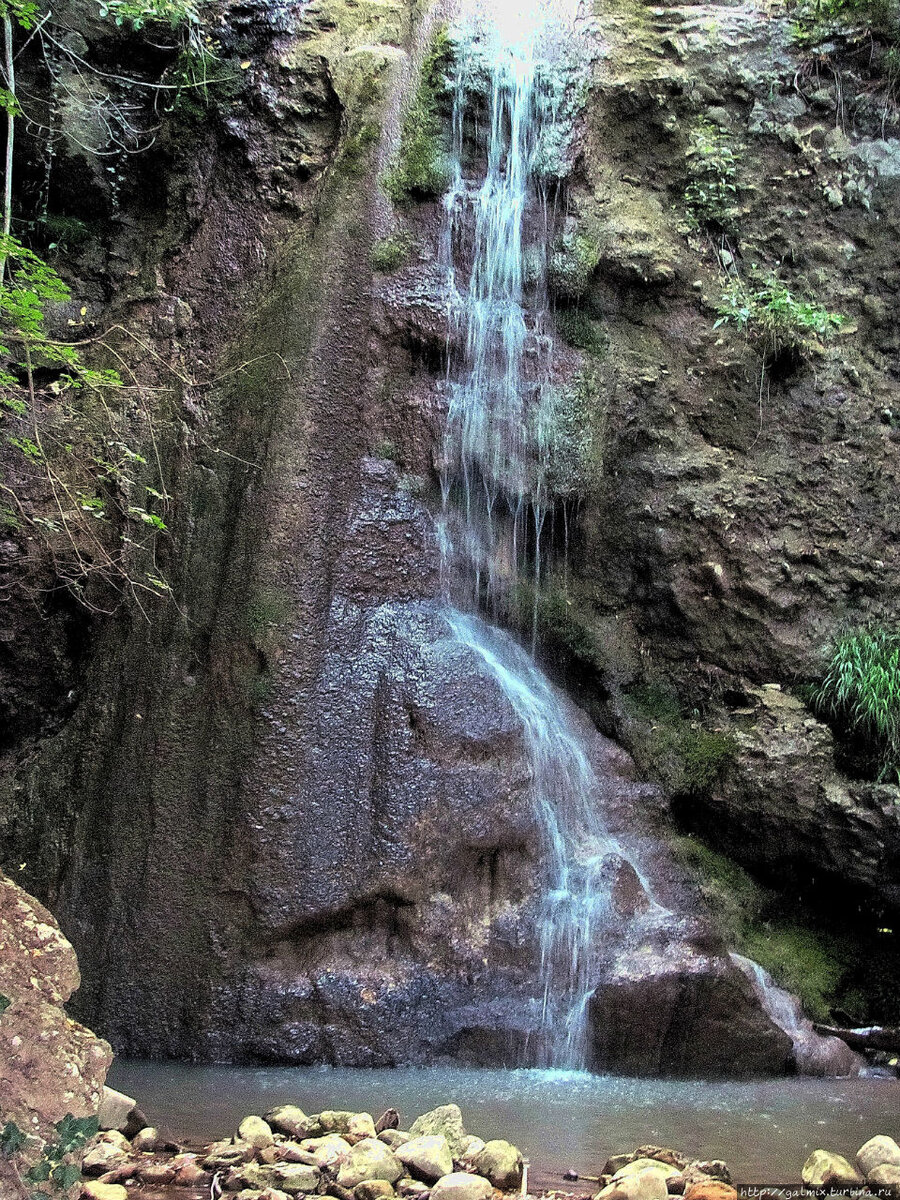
x,y
352,1156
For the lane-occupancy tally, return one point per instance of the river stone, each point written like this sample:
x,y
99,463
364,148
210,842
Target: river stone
x,y
110,1150
289,1119
115,1109
328,1150
649,1184
93,1189
446,1120
413,1188
709,1189
427,1157
878,1151
286,1177
886,1177
643,1164
501,1163
369,1159
461,1186
469,1147
373,1189
156,1173
825,1169
222,1155
393,1137
255,1132
145,1141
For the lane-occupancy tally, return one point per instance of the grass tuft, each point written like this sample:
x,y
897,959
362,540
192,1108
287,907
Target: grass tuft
x,y
861,691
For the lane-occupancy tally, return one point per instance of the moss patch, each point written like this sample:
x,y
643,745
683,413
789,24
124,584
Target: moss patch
x,y
391,253
419,170
685,756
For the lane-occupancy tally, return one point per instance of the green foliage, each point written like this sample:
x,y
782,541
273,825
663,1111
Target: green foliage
x,y
861,691
712,168
580,331
5,1002
687,758
12,1139
137,13
391,253
770,315
55,1168
757,923
572,264
860,20
419,171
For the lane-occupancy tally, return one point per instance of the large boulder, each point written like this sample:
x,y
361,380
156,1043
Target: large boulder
x,y
647,1184
369,1159
427,1158
501,1163
445,1120
289,1119
672,1008
255,1132
51,1068
825,1169
461,1186
115,1109
878,1151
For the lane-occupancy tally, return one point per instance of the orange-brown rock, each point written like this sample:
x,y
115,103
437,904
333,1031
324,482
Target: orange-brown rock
x,y
712,1189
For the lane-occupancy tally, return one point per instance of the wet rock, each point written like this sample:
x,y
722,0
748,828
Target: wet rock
x,y
373,1189
878,1151
702,1169
445,1120
426,1158
93,1189
663,1155
643,1164
469,1147
255,1132
825,1169
461,1186
647,1184
673,1009
369,1159
189,1172
501,1163
146,1141
289,1119
353,1126
115,1109
389,1119
157,1173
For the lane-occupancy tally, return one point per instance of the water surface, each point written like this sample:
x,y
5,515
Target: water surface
x,y
764,1129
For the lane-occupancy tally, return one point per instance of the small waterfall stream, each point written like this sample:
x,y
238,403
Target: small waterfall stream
x,y
497,453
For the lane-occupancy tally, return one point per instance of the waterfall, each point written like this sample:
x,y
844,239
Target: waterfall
x,y
497,452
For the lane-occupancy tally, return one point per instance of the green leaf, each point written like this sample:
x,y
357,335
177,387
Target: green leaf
x,y
12,1139
5,1002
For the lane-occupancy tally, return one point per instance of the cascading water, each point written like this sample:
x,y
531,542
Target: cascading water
x,y
498,457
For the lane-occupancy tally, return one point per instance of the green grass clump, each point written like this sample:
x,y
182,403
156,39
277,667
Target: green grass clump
x,y
784,326
800,960
861,691
687,758
712,168
391,253
419,171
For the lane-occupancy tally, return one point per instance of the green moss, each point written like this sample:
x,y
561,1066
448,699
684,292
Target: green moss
x,y
572,264
419,170
568,433
391,253
579,330
755,921
560,618
354,156
267,608
687,758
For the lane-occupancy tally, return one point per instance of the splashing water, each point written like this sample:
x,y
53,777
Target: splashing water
x,y
496,464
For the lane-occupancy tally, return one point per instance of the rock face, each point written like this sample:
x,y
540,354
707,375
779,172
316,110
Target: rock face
x,y
50,1066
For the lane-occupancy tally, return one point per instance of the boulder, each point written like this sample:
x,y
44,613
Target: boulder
x,y
710,1189
158,1174
255,1132
110,1150
427,1157
355,1127
878,1151
52,1067
189,1172
289,1119
825,1169
328,1150
389,1119
93,1189
286,1177
369,1159
146,1141
702,1169
413,1188
393,1137
373,1189
222,1155
501,1163
446,1120
647,1184
461,1186
469,1147
115,1109
886,1178
643,1164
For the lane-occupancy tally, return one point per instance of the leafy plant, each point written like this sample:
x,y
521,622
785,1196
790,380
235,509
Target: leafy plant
x,y
785,326
712,169
419,171
55,1171
137,13
861,690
